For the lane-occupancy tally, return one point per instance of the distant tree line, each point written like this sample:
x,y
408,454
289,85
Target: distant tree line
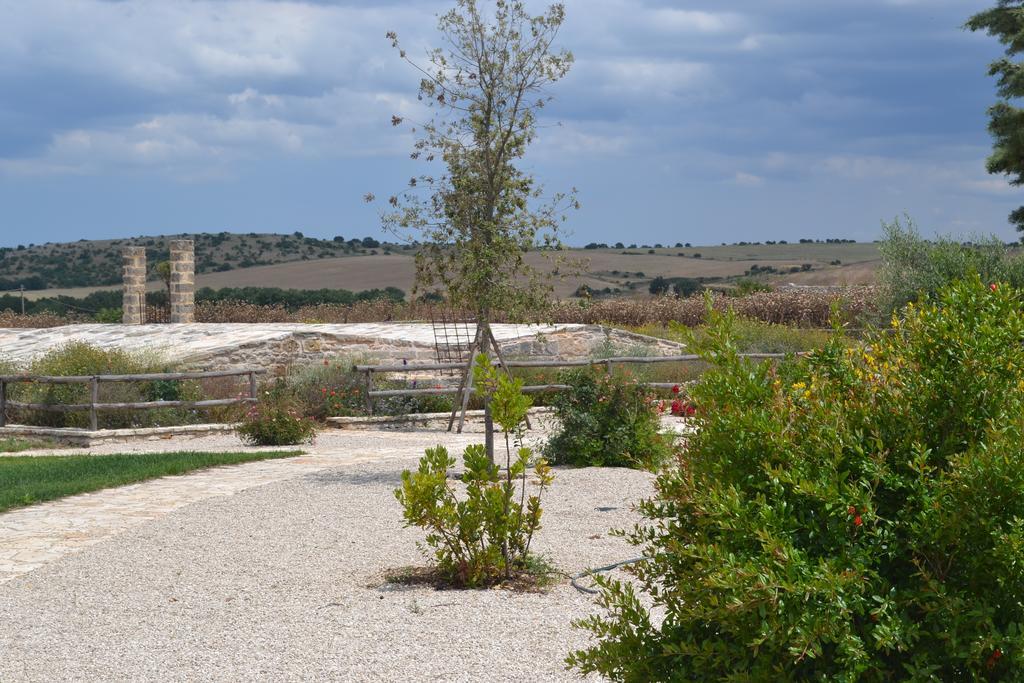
x,y
96,302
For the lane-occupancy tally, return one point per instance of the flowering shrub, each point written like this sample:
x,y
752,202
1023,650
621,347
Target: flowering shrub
x,y
607,420
276,420
679,406
484,537
854,516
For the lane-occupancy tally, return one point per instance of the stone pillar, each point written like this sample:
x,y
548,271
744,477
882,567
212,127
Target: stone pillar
x,y
183,281
133,305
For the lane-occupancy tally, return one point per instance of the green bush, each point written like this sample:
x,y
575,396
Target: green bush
x,y
82,359
607,420
331,389
109,315
913,267
855,516
276,420
483,537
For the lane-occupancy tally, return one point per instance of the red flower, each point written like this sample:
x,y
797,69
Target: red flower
x,y
994,287
333,394
994,657
323,390
851,510
857,521
675,389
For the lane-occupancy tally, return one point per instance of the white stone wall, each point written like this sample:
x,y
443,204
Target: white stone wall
x,y
276,346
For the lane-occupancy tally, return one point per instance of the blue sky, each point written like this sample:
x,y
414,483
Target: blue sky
x,y
696,121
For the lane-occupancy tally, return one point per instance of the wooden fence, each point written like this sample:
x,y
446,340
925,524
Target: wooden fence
x,y
608,363
94,381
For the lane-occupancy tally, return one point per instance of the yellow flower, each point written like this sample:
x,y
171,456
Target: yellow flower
x,y
799,385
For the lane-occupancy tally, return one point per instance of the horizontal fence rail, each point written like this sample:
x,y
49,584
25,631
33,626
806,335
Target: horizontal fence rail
x,y
609,363
94,405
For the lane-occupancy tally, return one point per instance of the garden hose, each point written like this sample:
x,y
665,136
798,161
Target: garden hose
x,y
599,570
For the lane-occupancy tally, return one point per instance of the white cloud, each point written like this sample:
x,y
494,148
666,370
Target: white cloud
x,y
747,179
691,21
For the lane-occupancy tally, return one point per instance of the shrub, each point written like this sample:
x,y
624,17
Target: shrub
x,y
913,267
331,389
82,359
276,420
484,537
854,516
328,389
606,420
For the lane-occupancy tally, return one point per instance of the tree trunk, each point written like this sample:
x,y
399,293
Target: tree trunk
x,y
484,331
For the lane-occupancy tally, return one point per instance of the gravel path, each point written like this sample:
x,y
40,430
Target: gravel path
x,y
283,582
328,441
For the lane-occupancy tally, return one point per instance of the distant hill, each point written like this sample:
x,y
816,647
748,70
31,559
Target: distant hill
x,y
96,263
234,261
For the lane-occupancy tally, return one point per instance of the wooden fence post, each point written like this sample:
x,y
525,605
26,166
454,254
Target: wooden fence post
x,y
3,403
369,388
94,398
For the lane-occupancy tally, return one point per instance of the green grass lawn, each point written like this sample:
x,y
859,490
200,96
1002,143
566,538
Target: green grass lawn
x,y
25,480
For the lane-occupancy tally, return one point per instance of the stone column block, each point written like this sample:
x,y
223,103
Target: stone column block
x,y
183,281
133,304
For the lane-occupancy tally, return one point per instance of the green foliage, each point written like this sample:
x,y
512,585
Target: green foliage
x,y
25,480
109,315
293,299
483,537
607,421
854,516
331,389
483,214
747,286
82,359
328,389
659,285
276,419
913,266
1005,21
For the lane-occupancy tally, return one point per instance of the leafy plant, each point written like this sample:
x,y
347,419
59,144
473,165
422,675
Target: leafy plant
x,y
276,420
607,420
852,516
483,537
913,267
83,359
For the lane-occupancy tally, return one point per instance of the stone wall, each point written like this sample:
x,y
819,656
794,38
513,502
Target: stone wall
x,y
218,346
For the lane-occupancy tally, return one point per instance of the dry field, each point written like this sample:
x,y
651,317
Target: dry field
x,y
601,268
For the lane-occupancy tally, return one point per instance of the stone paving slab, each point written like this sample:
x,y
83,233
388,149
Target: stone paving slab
x,y
33,536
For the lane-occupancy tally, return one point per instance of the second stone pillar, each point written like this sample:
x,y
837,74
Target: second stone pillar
x,y
183,281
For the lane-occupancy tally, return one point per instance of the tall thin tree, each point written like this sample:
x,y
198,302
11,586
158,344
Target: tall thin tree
x,y
478,213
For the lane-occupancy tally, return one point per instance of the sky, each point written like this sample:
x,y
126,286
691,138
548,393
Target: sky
x,y
701,121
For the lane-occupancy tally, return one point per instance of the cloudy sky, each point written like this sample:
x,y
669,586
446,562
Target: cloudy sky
x,y
682,120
